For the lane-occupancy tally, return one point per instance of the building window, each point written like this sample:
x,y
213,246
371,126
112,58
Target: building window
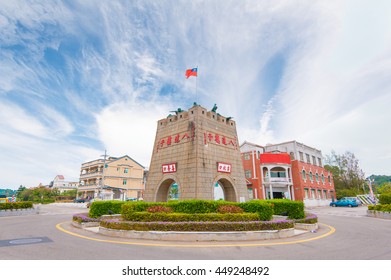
x,y
305,193
324,194
320,161
311,177
292,155
329,179
126,170
301,156
247,173
303,175
313,194
317,177
124,181
246,156
322,178
308,158
319,194
313,160
277,174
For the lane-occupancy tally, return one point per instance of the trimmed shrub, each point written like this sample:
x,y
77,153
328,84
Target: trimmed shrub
x,y
285,207
105,207
159,208
16,205
185,217
229,209
264,210
197,226
380,207
309,219
141,206
83,218
385,198
194,206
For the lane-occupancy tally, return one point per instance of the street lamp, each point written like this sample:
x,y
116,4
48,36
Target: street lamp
x,y
103,174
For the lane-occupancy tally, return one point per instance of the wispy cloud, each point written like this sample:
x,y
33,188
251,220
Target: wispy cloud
x,y
80,77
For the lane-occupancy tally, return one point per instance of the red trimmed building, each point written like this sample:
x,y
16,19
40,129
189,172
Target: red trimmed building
x,y
289,170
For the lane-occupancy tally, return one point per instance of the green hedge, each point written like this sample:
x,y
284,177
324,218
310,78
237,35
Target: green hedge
x,y
16,205
198,206
264,210
142,206
185,217
104,207
197,226
385,198
291,208
380,207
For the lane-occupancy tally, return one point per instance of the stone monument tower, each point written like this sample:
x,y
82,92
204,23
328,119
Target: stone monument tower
x,y
194,151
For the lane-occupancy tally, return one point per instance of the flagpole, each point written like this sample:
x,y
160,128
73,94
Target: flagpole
x,y
196,86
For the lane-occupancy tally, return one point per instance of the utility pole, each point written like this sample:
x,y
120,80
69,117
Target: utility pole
x,y
103,173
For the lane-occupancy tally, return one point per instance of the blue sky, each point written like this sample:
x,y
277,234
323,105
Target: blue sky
x,y
79,77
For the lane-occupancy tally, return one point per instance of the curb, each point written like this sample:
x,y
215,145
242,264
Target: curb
x,y
199,236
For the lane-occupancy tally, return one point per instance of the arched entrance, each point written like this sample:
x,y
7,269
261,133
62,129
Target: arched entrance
x,y
224,189
168,190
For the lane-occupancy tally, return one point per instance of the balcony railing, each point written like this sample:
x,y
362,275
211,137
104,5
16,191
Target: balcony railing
x,y
91,175
278,180
93,163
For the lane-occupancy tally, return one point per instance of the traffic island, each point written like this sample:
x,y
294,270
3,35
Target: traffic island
x,y
199,220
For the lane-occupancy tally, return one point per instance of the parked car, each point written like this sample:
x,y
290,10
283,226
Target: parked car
x,y
344,202
356,199
79,200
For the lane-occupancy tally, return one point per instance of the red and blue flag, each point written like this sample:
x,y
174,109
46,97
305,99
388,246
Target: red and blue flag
x,y
191,72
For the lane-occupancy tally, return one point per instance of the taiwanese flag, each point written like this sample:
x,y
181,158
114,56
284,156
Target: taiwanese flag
x,y
191,72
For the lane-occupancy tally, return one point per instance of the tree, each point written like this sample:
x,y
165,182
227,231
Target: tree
x,y
384,188
346,172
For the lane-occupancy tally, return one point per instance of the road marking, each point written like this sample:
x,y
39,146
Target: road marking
x,y
331,231
24,241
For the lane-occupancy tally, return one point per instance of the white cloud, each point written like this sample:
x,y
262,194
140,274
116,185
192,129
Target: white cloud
x,y
130,129
14,118
127,72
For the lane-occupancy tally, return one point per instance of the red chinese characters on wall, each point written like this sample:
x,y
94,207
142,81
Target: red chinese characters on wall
x,y
174,139
186,136
224,167
215,138
169,168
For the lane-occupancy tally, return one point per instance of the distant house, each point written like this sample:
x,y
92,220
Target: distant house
x,y
113,178
62,185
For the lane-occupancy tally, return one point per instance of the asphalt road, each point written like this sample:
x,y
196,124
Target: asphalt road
x,y
36,237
